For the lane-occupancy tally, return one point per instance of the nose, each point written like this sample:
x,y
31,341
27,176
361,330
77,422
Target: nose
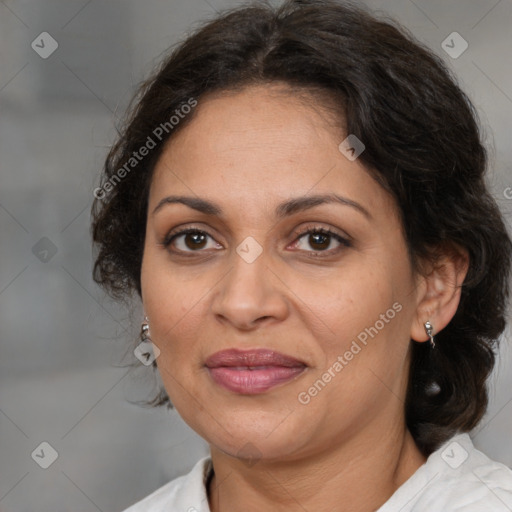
x,y
250,294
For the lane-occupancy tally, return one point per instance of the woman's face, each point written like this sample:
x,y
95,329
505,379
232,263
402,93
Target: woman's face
x,y
340,306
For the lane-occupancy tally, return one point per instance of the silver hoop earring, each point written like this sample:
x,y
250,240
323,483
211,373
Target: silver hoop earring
x,y
430,332
146,351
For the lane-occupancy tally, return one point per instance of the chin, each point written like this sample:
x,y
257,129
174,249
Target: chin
x,y
252,436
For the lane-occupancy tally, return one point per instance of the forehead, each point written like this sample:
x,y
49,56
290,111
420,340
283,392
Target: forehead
x,y
260,145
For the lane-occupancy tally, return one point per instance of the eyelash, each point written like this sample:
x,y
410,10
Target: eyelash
x,y
307,231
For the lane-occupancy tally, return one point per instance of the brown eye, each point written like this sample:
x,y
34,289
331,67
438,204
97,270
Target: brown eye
x,y
188,240
194,240
320,239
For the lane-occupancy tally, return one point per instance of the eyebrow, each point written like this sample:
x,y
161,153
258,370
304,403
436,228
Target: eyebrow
x,y
284,209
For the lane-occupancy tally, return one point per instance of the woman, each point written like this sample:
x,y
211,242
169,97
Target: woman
x,y
298,199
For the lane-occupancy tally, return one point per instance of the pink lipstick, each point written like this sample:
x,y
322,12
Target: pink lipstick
x,y
251,372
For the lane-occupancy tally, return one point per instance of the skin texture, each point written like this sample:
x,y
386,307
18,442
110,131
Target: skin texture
x,y
247,152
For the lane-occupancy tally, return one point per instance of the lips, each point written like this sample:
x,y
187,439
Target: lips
x,y
252,371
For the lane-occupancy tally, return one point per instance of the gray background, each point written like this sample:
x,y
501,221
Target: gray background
x,y
64,345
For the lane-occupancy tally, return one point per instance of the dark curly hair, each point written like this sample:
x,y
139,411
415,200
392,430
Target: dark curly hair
x,y
423,145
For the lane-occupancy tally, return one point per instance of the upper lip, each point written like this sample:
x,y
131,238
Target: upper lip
x,y
251,358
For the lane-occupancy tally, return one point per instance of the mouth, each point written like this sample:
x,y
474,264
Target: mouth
x,y
250,372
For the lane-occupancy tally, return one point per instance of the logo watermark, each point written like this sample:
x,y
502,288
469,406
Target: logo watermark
x,y
157,135
351,147
454,455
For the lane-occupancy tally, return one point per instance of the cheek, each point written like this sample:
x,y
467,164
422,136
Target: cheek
x,y
169,292
362,337
343,305
171,304
175,311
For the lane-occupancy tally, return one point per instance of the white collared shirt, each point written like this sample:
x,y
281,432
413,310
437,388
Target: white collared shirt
x,y
455,478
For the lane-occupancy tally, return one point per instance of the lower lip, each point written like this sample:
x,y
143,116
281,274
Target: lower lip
x,y
253,382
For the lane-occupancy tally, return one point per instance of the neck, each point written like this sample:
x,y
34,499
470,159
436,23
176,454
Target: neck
x,y
360,475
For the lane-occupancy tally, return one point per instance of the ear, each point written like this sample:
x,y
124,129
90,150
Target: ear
x,y
440,289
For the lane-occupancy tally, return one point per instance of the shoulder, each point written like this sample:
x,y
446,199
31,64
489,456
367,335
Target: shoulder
x,y
456,478
187,492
